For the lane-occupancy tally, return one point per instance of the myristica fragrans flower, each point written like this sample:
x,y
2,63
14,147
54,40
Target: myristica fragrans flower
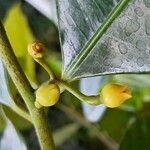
x,y
113,95
36,50
47,95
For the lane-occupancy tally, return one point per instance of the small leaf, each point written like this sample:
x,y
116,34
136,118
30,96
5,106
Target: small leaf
x,y
20,36
11,139
136,83
42,28
4,6
19,122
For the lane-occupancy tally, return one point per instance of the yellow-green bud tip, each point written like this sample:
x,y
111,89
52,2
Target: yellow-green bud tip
x,y
47,94
113,95
37,105
36,50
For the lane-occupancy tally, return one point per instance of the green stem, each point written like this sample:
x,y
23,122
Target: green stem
x,y
98,34
22,113
46,67
38,116
92,100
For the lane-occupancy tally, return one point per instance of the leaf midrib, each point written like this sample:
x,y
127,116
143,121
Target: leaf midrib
x,y
95,38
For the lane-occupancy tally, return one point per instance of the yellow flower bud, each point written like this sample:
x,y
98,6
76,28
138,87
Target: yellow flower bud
x,y
47,95
36,50
113,95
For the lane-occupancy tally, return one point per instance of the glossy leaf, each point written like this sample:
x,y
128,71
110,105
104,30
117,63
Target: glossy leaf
x,y
123,48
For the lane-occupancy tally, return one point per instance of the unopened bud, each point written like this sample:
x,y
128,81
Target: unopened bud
x,y
36,50
47,95
113,95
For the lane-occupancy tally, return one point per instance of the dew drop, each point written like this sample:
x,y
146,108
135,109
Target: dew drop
x,y
139,11
147,24
116,63
141,45
147,3
123,48
140,61
106,61
131,27
130,56
128,11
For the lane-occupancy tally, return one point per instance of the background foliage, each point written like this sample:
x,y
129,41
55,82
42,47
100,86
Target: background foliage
x,y
124,128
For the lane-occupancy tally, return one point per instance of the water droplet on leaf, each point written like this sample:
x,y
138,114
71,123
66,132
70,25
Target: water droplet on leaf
x,y
141,45
131,27
139,11
147,3
140,62
123,48
147,24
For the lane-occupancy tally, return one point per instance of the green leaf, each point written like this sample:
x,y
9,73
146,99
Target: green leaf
x,y
137,136
19,122
116,129
89,50
11,139
20,36
42,28
63,134
135,83
2,121
4,6
136,103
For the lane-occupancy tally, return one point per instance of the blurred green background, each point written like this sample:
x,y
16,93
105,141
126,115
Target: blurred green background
x,y
124,128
